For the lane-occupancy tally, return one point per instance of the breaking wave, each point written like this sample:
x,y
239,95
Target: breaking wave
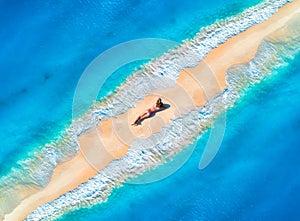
x,y
151,152
160,72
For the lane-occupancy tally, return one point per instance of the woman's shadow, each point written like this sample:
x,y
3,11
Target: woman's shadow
x,y
165,107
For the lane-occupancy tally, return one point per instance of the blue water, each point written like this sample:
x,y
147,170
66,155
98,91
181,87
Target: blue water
x,y
46,45
255,175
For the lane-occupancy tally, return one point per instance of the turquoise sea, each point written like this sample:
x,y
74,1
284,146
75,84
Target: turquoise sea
x,y
46,45
255,175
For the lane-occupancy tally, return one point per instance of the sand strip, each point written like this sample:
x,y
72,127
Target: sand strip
x,y
111,139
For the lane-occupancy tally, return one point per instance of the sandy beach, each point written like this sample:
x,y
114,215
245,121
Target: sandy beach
x,y
195,86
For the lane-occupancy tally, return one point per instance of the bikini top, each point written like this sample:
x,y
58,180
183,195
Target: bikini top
x,y
155,108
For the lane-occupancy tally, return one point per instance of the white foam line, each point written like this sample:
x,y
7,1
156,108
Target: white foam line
x,y
143,156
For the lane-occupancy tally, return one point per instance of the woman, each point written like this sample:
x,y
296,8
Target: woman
x,y
159,106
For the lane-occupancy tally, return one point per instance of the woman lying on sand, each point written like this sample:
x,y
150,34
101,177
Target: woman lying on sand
x,y
159,106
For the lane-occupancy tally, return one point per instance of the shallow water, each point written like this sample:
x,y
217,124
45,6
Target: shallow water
x,y
255,175
48,45
37,99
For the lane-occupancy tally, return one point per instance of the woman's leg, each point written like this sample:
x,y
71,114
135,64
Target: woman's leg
x,y
141,117
137,120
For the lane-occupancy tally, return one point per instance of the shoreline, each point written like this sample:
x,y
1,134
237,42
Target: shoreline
x,y
78,170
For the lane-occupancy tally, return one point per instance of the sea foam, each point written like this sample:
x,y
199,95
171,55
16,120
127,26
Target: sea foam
x,y
146,155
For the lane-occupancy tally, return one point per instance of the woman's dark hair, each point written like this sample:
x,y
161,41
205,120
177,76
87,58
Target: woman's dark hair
x,y
159,103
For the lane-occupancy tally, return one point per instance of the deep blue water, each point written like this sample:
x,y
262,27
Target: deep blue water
x,y
46,45
255,175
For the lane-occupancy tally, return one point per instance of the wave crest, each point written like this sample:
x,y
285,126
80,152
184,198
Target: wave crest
x,y
143,156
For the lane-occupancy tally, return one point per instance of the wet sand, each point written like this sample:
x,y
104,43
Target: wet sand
x,y
111,138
